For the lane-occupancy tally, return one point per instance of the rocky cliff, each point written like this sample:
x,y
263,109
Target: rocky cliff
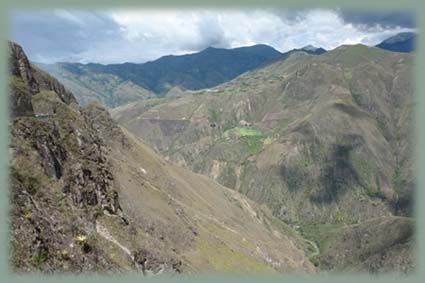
x,y
28,80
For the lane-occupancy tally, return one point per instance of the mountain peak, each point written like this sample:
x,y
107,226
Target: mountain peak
x,y
211,48
401,42
402,36
310,47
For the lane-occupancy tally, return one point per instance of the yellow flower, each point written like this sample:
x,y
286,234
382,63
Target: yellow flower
x,y
28,215
81,238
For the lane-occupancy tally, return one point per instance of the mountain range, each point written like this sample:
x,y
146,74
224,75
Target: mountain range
x,y
119,84
323,141
241,160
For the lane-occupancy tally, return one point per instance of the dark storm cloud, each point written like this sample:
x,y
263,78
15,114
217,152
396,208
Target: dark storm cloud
x,y
55,35
372,19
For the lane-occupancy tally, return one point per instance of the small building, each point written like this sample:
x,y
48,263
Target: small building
x,y
244,123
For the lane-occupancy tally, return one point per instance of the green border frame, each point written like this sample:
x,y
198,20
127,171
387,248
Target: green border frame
x,y
417,6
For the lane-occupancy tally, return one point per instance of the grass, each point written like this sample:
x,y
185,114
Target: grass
x,y
228,177
224,258
213,115
321,234
255,144
29,179
267,141
17,83
284,228
315,260
375,194
398,180
254,139
357,54
40,258
365,169
46,95
241,132
298,174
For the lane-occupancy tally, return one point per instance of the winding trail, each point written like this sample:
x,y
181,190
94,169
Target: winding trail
x,y
102,231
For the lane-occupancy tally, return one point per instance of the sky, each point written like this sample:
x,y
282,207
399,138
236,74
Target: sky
x,y
138,36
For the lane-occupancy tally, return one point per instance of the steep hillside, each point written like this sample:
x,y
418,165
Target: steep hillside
x,y
376,245
318,139
88,86
401,42
87,195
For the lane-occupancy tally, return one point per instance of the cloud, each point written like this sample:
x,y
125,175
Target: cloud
x,y
58,35
141,35
374,19
190,31
291,16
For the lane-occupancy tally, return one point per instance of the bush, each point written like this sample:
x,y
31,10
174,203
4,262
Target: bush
x,y
41,257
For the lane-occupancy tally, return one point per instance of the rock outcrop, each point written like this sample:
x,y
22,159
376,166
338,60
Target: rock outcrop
x,y
28,80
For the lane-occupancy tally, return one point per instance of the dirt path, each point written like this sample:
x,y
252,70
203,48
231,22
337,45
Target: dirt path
x,y
105,234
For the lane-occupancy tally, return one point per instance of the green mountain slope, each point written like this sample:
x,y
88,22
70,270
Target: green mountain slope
x,y
318,139
86,195
377,245
118,84
88,86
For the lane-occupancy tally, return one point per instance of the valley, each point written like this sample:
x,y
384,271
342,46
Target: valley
x,y
318,139
242,160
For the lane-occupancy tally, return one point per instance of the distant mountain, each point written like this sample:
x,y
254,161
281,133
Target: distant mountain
x,y
401,42
312,50
205,69
118,84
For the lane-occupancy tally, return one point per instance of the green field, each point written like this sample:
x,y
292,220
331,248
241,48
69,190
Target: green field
x,y
242,132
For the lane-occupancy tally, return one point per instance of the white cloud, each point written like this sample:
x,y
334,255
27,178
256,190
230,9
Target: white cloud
x,y
190,30
138,36
194,29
